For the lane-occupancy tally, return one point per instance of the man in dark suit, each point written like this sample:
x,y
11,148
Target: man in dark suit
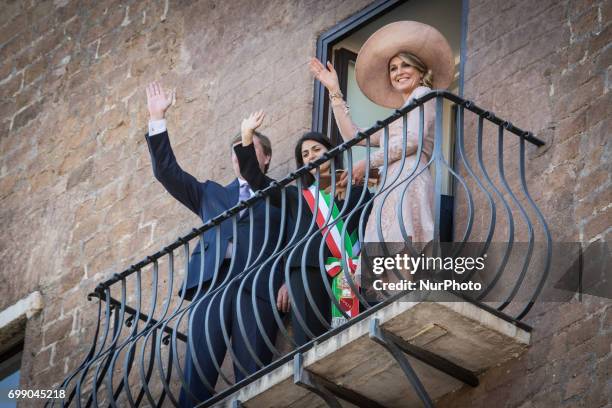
x,y
217,311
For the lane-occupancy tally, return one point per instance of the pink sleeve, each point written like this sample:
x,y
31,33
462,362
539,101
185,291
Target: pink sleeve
x,y
396,141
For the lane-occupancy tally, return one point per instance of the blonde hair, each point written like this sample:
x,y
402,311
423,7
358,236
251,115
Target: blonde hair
x,y
416,62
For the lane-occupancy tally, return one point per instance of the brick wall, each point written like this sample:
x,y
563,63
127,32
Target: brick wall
x,y
78,200
545,66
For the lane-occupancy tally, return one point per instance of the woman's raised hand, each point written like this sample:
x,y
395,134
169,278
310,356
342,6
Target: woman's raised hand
x,y
248,126
327,76
158,101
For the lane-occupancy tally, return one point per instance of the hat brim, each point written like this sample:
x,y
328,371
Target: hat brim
x,y
422,40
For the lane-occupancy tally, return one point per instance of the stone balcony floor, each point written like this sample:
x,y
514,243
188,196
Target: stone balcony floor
x,y
460,332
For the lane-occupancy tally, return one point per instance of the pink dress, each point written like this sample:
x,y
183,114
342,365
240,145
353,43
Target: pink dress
x,y
401,189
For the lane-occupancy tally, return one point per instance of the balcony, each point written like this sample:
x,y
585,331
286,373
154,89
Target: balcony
x,y
445,344
404,350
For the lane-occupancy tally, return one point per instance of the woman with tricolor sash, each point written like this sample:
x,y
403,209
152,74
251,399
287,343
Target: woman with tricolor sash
x,y
322,219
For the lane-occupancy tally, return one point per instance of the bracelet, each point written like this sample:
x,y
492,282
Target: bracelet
x,y
333,95
343,104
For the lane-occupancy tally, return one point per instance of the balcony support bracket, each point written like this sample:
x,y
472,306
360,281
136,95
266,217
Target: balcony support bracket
x,y
386,339
329,391
392,345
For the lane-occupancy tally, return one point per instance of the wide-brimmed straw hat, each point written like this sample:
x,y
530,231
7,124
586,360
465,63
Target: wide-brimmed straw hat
x,y
422,40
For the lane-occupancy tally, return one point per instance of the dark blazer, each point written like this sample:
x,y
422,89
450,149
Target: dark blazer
x,y
257,180
208,199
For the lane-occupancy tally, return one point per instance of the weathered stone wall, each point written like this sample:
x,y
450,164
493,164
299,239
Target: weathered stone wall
x,y
545,66
78,201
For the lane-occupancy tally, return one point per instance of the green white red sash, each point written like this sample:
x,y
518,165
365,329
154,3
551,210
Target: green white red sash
x,y
333,264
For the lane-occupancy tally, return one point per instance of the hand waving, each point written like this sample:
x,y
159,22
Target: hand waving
x,y
327,76
157,100
248,126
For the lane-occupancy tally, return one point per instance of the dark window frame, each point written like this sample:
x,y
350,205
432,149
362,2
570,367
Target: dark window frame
x,y
342,59
10,360
320,108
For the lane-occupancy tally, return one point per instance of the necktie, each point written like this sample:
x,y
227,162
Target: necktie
x,y
245,194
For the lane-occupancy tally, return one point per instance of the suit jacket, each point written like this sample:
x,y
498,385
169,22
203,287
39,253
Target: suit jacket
x,y
208,199
254,176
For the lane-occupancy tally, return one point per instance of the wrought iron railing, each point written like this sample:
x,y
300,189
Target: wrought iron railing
x,y
145,330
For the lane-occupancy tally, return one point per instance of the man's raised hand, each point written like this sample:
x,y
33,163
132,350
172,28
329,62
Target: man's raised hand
x,y
158,101
248,126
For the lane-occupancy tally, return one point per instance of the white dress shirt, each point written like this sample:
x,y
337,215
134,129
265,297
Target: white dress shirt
x,y
157,126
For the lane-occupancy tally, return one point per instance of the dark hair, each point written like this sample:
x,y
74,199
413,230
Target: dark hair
x,y
265,144
307,178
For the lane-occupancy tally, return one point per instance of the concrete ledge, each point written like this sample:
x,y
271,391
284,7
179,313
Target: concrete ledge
x,y
461,332
14,317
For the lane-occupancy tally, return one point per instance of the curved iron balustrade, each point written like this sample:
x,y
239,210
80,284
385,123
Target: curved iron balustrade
x,y
136,354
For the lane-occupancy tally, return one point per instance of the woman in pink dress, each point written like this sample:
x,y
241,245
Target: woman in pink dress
x,y
399,62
